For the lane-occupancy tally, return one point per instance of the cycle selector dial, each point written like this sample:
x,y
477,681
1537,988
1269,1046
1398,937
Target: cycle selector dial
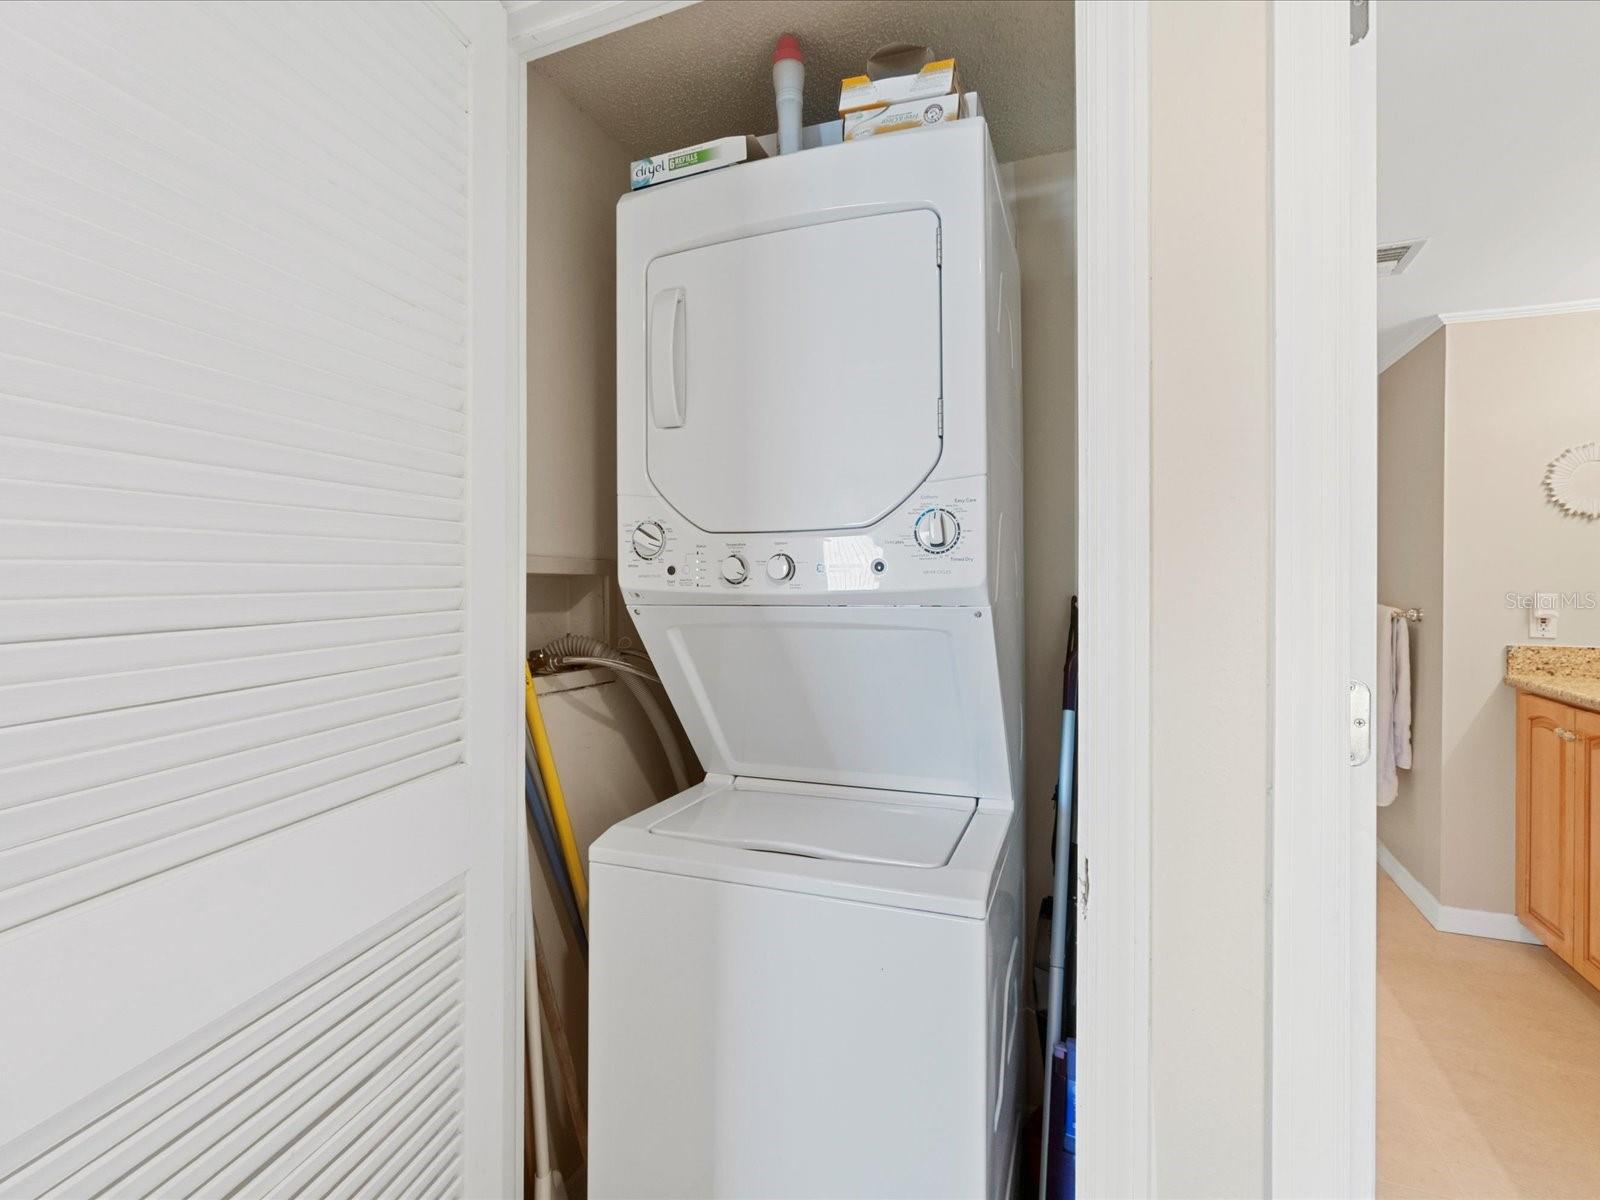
x,y
937,530
780,568
649,539
734,570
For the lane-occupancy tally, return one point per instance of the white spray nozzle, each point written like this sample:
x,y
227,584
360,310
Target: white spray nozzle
x,y
788,83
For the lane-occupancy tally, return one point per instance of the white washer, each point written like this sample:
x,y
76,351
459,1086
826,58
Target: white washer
x,y
805,971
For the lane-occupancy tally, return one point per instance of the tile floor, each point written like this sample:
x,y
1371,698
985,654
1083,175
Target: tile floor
x,y
1488,1066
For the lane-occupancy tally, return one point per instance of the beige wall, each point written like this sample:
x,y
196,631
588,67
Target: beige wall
x,y
1519,392
1468,423
1210,555
1042,192
610,762
1411,401
575,176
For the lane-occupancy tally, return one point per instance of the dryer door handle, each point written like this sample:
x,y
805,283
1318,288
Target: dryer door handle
x,y
668,358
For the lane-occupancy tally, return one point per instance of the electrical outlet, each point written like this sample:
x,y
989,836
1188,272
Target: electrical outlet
x,y
1542,616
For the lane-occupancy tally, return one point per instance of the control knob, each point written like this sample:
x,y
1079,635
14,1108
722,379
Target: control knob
x,y
780,568
649,539
734,570
937,530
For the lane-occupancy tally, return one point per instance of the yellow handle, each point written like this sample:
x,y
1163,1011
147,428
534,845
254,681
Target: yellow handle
x,y
552,788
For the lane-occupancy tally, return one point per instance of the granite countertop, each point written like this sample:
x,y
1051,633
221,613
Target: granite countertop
x,y
1567,674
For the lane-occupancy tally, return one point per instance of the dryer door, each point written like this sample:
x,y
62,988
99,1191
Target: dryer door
x,y
793,378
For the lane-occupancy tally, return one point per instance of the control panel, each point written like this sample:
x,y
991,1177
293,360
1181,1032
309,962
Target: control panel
x,y
935,542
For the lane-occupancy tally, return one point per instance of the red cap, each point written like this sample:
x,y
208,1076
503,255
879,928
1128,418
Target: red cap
x,y
788,47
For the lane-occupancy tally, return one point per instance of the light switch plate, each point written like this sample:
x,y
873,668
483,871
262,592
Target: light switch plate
x,y
1542,616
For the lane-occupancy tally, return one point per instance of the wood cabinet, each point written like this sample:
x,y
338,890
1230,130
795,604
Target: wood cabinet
x,y
1547,824
1558,828
1586,951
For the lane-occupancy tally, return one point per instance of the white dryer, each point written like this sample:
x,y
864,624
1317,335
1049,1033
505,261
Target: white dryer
x,y
805,971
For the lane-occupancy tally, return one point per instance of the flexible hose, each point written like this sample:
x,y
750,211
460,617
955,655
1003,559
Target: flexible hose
x,y
552,789
569,644
658,721
621,666
579,650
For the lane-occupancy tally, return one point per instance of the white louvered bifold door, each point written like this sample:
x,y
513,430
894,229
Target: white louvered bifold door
x,y
259,680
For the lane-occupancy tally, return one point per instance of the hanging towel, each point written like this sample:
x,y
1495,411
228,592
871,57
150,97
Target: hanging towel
x,y
1401,722
1391,730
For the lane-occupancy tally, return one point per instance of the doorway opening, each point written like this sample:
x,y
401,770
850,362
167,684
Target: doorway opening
x,y
1488,912
689,75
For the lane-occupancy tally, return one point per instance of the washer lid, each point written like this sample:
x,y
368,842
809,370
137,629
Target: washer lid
x,y
963,886
901,698
842,824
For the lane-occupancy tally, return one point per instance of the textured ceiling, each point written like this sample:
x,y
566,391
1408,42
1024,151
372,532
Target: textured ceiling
x,y
705,71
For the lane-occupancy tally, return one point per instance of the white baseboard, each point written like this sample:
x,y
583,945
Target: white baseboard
x,y
1475,922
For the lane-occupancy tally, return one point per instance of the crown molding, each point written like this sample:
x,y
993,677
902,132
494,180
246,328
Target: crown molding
x,y
1526,310
1482,314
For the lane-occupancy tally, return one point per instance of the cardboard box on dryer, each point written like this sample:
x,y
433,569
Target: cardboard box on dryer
x,y
876,90
693,160
898,118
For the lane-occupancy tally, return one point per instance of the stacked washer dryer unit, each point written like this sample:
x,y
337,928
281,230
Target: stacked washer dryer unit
x,y
805,970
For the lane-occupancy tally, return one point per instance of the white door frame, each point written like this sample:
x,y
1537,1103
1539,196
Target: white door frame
x,y
1362,488
1322,998
496,629
1113,238
1323,939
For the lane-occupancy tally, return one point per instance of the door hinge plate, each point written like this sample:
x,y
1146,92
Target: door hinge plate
x,y
1083,888
1360,723
1360,21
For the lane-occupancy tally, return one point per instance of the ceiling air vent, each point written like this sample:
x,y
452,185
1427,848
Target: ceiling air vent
x,y
1397,256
